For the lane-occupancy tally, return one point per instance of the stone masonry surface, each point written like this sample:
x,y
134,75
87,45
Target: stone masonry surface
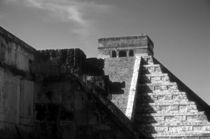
x,y
120,70
165,111
49,94
57,94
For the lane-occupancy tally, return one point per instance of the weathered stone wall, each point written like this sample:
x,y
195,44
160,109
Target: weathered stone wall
x,y
94,67
129,41
62,101
59,62
46,94
16,83
78,111
137,44
120,70
63,92
14,52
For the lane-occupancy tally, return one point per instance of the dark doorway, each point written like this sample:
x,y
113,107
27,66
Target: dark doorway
x,y
114,54
131,53
122,53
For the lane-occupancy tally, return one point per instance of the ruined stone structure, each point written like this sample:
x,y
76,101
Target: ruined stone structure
x,y
56,94
159,105
125,93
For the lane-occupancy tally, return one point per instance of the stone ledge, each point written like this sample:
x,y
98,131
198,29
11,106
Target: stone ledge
x,y
181,123
156,74
176,114
175,129
159,84
158,109
165,93
10,37
169,117
165,97
162,98
151,65
152,69
185,134
169,103
125,41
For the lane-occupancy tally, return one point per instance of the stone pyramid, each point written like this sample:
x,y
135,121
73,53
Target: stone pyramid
x,y
156,101
165,111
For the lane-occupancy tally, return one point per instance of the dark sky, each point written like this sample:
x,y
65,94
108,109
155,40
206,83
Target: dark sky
x,y
180,29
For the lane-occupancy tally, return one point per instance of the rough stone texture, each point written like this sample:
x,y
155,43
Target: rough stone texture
x,y
94,66
129,41
164,106
15,52
120,70
191,95
70,103
61,94
138,44
164,109
16,83
57,62
56,94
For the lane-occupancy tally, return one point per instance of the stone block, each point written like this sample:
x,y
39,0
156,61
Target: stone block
x,y
155,78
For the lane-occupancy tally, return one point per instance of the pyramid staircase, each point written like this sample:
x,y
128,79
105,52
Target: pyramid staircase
x,y
162,110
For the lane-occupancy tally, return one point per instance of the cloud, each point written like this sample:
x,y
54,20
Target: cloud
x,y
68,10
81,15
65,10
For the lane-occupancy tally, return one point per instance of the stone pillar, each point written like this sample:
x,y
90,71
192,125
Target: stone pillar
x,y
117,53
127,53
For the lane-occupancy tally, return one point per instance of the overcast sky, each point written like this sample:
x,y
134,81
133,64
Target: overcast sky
x,y
180,29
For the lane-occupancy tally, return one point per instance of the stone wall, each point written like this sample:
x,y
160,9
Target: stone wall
x,y
59,62
120,70
73,108
17,87
62,102
112,47
94,67
15,52
129,41
47,94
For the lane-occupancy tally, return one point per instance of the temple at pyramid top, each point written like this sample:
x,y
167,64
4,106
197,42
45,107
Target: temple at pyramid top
x,y
127,46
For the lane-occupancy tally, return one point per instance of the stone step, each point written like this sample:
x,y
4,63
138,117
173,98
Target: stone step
x,y
184,106
147,59
170,117
158,93
173,129
151,68
150,87
166,103
178,135
150,97
185,135
166,112
154,78
178,123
